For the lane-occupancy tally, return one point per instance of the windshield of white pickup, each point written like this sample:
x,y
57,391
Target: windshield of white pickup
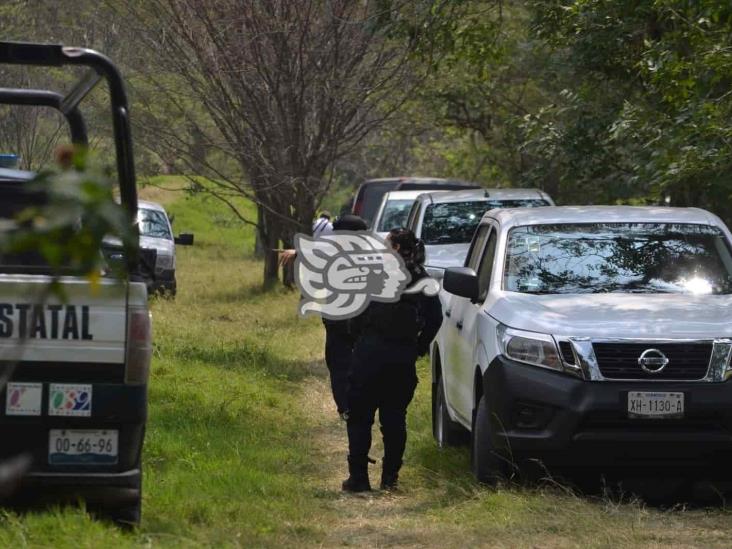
x,y
153,223
618,257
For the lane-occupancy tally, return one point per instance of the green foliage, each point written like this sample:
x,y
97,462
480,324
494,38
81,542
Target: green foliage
x,y
596,101
649,107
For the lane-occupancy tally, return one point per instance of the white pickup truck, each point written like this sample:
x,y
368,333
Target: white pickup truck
x,y
75,363
589,337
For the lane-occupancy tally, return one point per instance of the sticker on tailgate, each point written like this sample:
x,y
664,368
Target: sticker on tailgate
x,y
69,400
23,399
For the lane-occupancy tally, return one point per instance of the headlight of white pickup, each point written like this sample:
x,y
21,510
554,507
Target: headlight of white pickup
x,y
529,347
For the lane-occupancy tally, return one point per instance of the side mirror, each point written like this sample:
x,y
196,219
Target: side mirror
x,y
184,239
461,281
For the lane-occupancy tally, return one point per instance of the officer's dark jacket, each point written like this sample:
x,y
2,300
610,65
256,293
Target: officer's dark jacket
x,y
413,320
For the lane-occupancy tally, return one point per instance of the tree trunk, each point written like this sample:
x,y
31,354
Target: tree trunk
x,y
270,241
288,271
198,148
258,242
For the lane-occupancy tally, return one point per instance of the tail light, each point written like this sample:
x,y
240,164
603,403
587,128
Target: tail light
x,y
139,345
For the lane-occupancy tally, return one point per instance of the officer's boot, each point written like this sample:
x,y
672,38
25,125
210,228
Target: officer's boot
x,y
390,474
358,479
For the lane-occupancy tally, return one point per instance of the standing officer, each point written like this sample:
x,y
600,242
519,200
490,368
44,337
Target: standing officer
x,y
338,337
390,337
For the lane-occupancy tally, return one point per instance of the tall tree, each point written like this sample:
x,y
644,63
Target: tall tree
x,y
646,114
285,88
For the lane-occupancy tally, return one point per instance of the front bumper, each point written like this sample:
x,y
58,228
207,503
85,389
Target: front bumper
x,y
164,281
563,420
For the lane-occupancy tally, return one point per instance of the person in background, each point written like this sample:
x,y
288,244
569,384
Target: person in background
x,y
322,225
389,339
338,338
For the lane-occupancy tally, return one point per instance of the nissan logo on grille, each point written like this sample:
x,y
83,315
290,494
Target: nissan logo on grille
x,y
652,361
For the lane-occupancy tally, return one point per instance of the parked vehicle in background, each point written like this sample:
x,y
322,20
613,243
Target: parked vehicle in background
x,y
368,196
590,337
77,362
394,211
446,221
157,248
156,233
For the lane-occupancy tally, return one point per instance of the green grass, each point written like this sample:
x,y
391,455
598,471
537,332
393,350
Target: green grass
x,y
244,448
215,225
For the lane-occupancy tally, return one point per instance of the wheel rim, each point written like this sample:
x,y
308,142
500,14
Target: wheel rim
x,y
440,423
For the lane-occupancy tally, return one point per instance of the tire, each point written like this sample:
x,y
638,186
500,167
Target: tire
x,y
489,465
446,431
127,517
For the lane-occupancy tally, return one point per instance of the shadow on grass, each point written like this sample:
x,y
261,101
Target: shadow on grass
x,y
449,471
250,291
678,490
242,357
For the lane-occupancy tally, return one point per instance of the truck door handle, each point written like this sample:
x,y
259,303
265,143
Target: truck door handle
x,y
448,313
459,324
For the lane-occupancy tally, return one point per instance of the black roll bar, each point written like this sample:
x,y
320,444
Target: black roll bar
x,y
80,91
45,98
50,55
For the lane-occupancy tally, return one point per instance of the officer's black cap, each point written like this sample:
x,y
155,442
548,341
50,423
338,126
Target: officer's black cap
x,y
349,222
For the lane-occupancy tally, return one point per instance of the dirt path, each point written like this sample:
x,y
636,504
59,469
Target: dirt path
x,y
374,520
435,510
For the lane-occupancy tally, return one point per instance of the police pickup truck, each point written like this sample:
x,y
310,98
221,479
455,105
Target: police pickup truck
x,y
76,362
592,337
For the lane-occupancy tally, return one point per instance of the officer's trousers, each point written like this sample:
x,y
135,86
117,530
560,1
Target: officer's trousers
x,y
383,377
338,352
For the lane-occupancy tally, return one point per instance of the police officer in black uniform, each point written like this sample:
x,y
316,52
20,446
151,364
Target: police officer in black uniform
x,y
389,339
339,340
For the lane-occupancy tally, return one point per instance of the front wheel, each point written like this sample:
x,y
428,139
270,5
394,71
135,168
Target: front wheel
x,y
489,465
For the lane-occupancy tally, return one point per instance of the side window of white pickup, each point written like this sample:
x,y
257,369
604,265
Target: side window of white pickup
x,y
413,217
486,267
476,247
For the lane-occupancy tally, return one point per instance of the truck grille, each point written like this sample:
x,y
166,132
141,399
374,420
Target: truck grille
x,y
686,361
